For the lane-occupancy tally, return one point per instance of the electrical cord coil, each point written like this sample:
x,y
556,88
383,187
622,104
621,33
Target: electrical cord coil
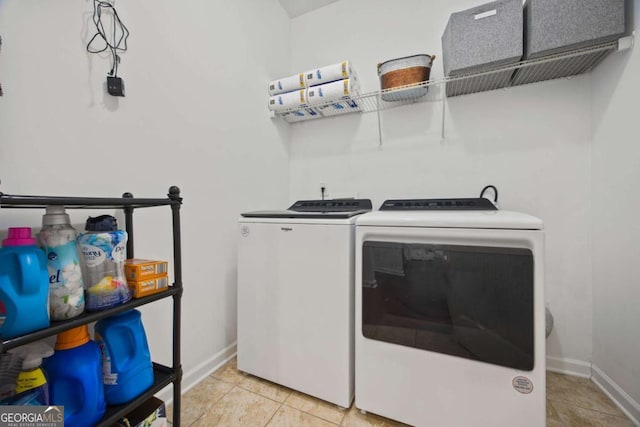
x,y
495,192
119,44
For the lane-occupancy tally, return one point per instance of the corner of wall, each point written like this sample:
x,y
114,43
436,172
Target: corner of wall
x,y
563,365
200,372
626,403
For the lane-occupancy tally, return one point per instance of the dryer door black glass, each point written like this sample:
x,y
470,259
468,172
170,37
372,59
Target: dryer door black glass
x,y
466,301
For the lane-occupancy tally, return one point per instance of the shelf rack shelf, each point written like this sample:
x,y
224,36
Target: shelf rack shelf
x,y
564,64
83,319
163,375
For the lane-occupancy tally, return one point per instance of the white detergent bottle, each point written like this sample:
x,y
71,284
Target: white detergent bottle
x,y
58,239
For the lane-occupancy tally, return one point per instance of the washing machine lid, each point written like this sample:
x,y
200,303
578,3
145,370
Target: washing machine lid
x,y
489,219
318,209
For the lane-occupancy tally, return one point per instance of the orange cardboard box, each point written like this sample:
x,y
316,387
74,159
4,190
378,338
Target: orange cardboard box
x,y
143,269
143,288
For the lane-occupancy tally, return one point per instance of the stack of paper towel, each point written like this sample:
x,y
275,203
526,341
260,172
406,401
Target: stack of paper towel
x,y
325,91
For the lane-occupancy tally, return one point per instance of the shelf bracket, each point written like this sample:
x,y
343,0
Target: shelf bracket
x,y
444,113
379,124
626,43
128,219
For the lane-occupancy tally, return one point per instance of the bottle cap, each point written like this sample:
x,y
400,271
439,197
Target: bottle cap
x,y
101,223
55,215
31,355
33,359
72,338
19,236
31,362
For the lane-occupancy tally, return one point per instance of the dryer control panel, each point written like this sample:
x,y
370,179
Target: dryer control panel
x,y
472,204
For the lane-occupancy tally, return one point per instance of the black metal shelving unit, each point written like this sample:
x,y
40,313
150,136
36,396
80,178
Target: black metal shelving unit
x,y
163,375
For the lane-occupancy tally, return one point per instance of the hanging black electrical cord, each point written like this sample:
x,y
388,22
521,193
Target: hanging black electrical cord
x,y
495,192
118,44
0,84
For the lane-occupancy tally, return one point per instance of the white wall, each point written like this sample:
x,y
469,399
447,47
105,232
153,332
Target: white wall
x,y
195,72
532,142
616,229
194,116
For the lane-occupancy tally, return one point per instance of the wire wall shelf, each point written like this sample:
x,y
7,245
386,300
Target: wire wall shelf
x,y
565,64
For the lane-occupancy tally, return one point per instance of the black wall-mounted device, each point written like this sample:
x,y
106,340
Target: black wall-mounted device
x,y
115,86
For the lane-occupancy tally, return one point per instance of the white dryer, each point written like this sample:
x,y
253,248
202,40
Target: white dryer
x,y
296,296
450,314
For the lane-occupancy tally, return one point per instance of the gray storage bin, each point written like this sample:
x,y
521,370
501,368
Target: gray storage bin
x,y
554,26
556,69
483,37
469,85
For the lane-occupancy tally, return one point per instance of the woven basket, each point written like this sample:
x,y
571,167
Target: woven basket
x,y
402,72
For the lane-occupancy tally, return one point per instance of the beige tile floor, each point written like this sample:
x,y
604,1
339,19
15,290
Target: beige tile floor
x,y
229,398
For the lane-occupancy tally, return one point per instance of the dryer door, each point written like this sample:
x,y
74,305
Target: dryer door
x,y
470,301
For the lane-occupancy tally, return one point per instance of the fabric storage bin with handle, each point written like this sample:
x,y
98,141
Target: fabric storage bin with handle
x,y
554,26
481,38
557,26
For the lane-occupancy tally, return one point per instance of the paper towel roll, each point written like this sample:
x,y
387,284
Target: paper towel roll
x,y
330,73
287,84
285,101
340,107
343,89
301,115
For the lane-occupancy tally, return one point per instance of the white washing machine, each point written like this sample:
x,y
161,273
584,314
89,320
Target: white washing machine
x,y
296,296
450,314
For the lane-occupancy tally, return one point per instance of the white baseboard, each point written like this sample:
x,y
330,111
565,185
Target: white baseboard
x,y
578,368
194,376
627,404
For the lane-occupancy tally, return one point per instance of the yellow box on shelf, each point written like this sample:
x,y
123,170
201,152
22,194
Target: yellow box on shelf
x,y
142,269
143,288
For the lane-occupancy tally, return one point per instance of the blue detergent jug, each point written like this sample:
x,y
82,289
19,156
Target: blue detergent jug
x,y
126,361
75,378
24,283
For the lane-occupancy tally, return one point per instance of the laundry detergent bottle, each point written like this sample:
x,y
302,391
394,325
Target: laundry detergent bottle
x,y
126,361
32,388
58,239
10,366
75,378
24,285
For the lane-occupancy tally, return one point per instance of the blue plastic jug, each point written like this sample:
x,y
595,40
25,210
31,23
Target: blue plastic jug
x,y
24,283
75,378
126,361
